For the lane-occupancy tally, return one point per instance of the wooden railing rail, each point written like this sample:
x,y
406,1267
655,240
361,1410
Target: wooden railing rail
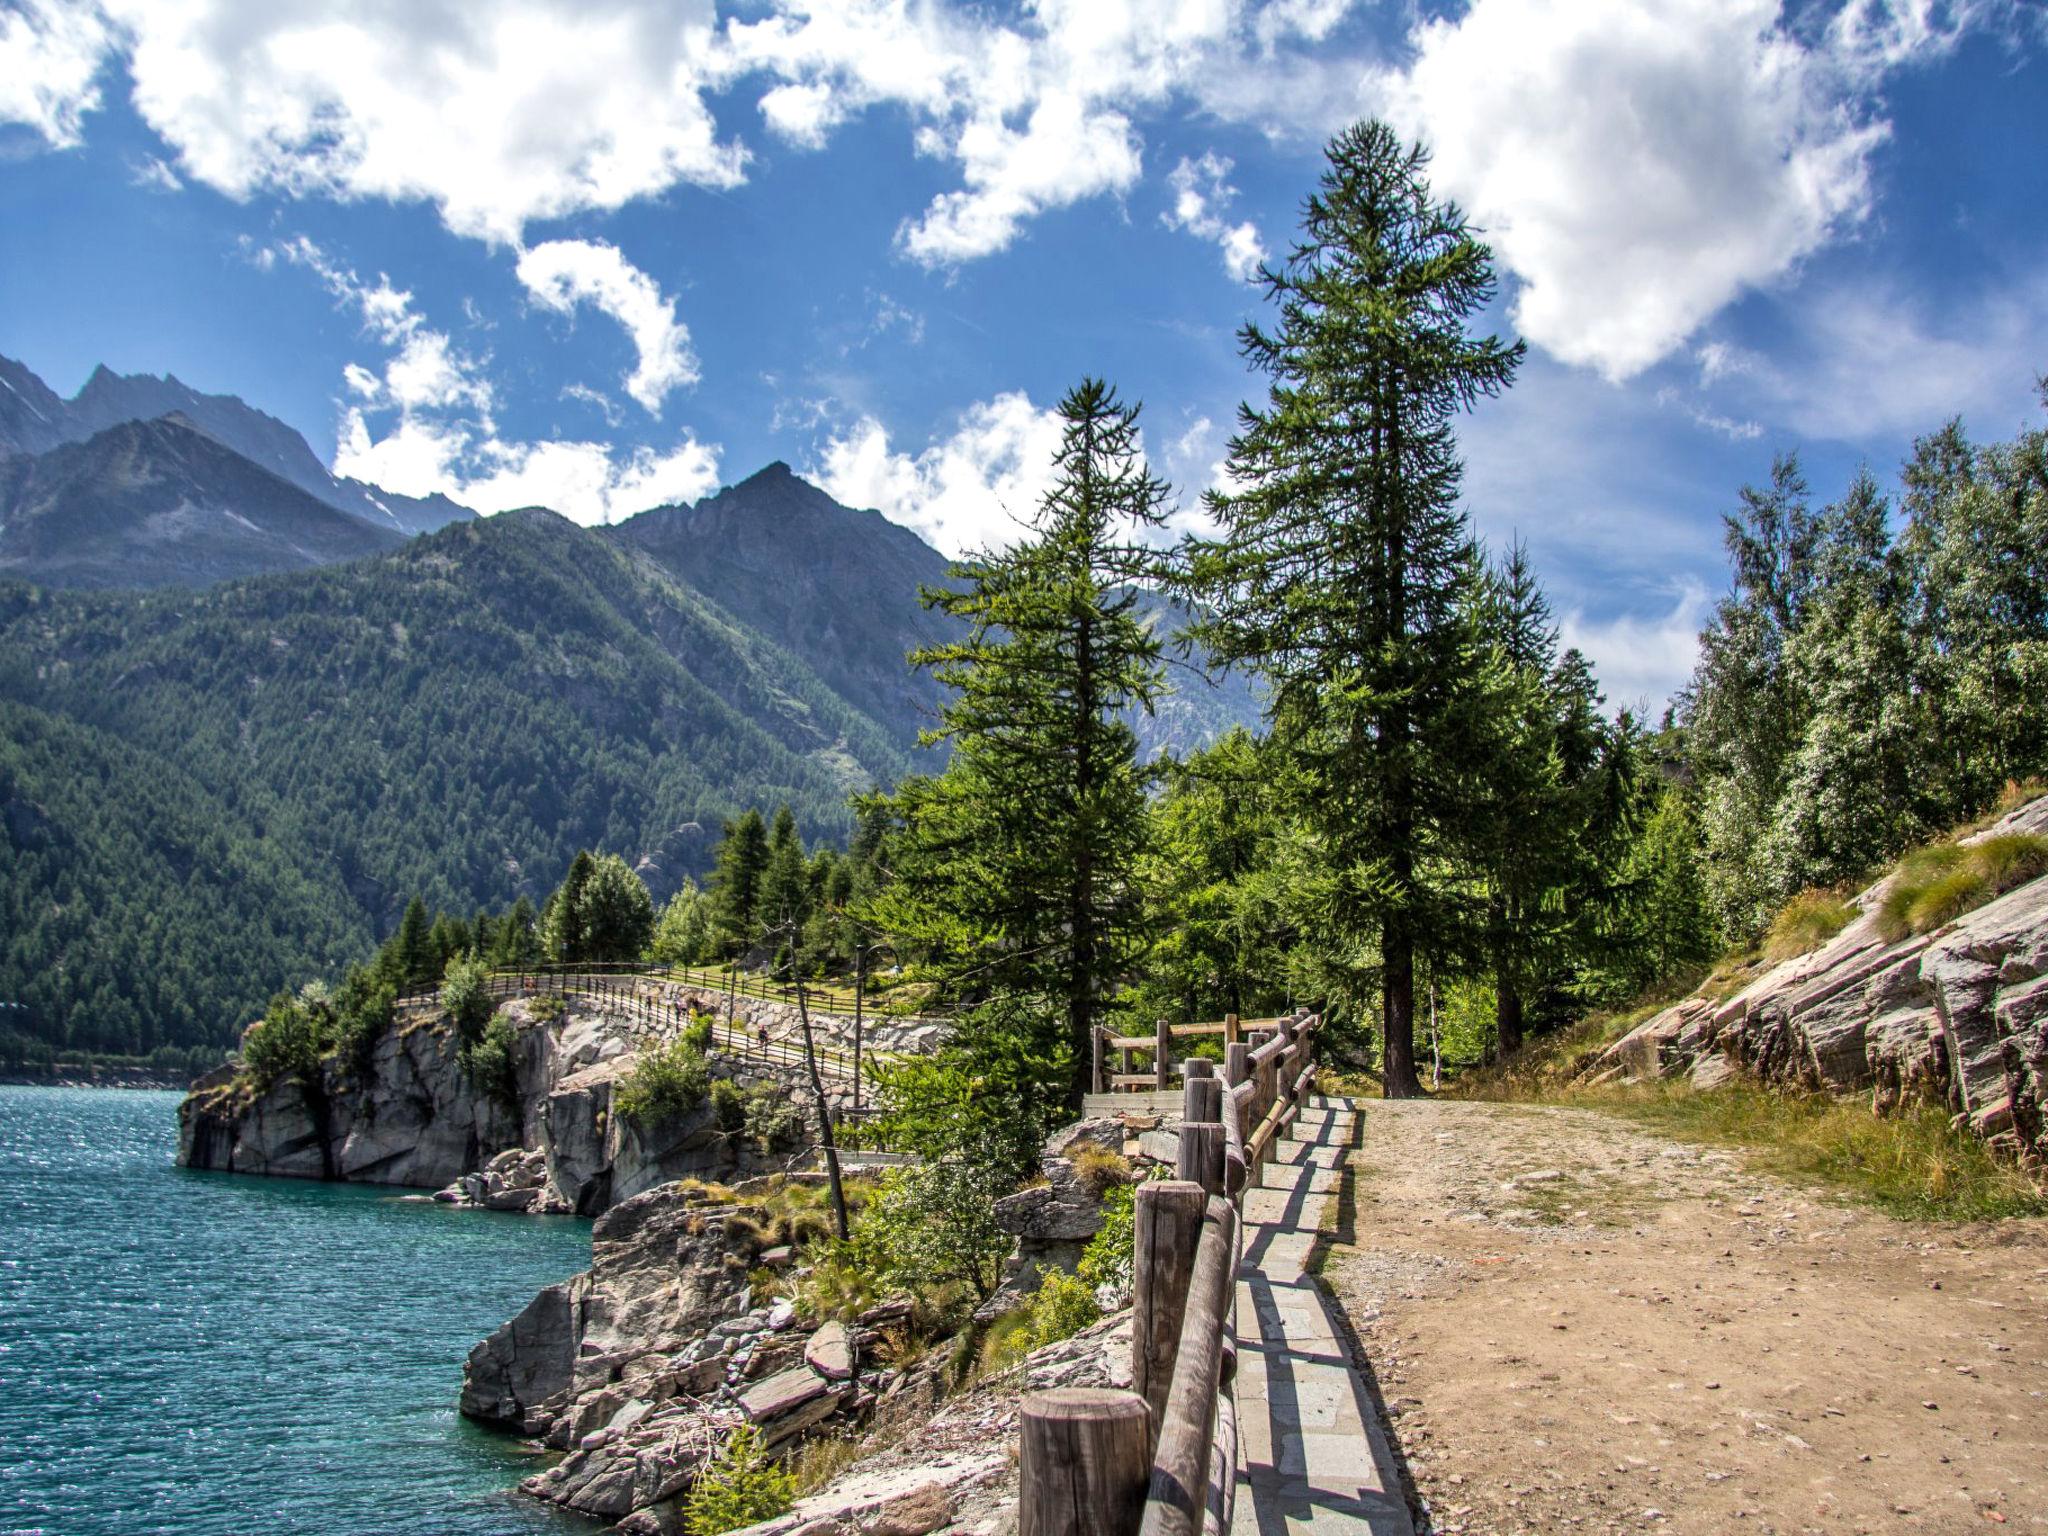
x,y
1106,1079
1080,1463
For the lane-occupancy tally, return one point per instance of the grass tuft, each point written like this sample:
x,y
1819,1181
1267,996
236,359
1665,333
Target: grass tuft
x,y
1937,885
1805,923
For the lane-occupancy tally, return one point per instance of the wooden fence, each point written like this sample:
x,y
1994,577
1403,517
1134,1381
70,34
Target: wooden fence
x,y
1161,1458
1160,1044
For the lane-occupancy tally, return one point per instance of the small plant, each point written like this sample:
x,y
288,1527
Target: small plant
x,y
491,1065
1106,1262
1805,923
665,1081
1098,1168
773,1119
546,1007
1061,1307
728,1107
466,996
742,1487
1937,885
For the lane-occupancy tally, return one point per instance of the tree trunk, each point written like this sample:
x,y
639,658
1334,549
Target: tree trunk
x,y
1507,1014
1397,1002
826,1137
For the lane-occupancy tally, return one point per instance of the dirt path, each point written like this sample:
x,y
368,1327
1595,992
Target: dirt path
x,y
1577,1326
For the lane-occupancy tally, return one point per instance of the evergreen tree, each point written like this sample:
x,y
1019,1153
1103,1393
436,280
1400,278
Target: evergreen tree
x,y
518,937
614,913
1014,869
741,860
1344,561
413,961
563,935
785,883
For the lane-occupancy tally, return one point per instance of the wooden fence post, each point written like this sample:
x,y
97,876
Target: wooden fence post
x,y
1166,1229
1236,1058
1201,1154
1096,1037
1162,1055
1177,1497
1083,1463
1233,1031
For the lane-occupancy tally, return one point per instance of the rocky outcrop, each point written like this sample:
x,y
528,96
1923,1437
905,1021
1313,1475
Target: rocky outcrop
x,y
412,1115
641,1368
1960,1014
1054,1218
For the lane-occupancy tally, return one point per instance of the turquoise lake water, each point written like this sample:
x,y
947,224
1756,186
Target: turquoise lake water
x,y
213,1355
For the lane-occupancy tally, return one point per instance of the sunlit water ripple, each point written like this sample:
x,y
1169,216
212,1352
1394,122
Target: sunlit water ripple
x,y
212,1356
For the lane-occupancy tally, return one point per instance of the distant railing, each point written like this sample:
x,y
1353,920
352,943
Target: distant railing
x,y
1161,1458
1230,1027
664,1000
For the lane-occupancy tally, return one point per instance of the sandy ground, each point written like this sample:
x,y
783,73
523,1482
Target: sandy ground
x,y
1574,1325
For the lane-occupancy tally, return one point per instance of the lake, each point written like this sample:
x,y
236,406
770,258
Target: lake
x,y
205,1353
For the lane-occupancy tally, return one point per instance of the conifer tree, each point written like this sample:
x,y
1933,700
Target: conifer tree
x,y
1014,869
563,933
414,962
1343,561
738,865
784,900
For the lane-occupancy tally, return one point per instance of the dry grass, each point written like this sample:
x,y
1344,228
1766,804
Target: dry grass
x,y
1935,886
1098,1168
1805,923
1912,1164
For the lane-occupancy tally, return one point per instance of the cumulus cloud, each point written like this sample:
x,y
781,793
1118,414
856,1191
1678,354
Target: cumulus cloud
x,y
1642,659
1636,163
50,56
1201,191
560,274
422,420
975,489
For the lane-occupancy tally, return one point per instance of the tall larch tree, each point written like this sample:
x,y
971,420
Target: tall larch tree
x,y
1343,560
1015,869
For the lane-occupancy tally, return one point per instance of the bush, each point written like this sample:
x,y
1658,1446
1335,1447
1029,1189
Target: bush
x,y
1061,1307
1106,1262
1098,1168
728,1107
935,1225
466,995
284,1042
667,1080
741,1488
491,1063
773,1119
1937,885
1805,923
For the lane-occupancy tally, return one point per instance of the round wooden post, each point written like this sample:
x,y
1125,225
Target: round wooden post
x,y
1096,1036
1162,1056
1233,1031
1201,1154
1202,1098
1167,1228
1084,1462
1236,1062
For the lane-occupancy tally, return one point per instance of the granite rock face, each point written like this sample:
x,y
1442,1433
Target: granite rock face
x,y
1960,1014
411,1115
643,1366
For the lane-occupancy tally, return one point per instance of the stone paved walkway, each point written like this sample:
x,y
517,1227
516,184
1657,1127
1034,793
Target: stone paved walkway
x,y
1312,1453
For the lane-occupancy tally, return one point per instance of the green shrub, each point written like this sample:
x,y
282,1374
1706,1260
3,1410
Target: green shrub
x,y
1805,923
285,1041
773,1119
666,1080
697,1033
1061,1307
728,1107
466,995
546,1007
1106,1262
491,1063
1937,885
741,1488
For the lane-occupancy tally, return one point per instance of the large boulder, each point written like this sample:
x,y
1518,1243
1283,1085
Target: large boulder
x,y
1959,1014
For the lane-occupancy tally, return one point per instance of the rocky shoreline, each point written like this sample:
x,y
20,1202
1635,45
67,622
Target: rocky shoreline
x,y
1959,1015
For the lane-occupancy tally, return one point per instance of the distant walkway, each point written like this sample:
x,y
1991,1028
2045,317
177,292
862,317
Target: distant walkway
x,y
1312,1452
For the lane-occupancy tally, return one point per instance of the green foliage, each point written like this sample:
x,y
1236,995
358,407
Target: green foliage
x,y
1937,885
601,913
1014,869
466,998
1805,923
992,1094
664,1080
285,1042
683,933
742,859
934,1225
742,1487
1061,1307
492,1062
1105,1265
1344,567
773,1119
728,1107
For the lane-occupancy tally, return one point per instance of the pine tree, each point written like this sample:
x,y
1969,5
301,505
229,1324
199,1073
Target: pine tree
x,y
1013,870
784,900
739,863
1344,560
414,963
563,934
614,913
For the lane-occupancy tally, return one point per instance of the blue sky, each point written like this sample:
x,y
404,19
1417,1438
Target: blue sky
x,y
604,255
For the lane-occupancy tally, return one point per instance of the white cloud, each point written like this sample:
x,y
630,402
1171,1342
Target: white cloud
x,y
976,489
589,482
153,175
498,114
1737,431
596,399
1201,191
50,56
560,274
1637,163
1642,659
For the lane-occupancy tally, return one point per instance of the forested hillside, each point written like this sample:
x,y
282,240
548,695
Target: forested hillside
x,y
211,792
